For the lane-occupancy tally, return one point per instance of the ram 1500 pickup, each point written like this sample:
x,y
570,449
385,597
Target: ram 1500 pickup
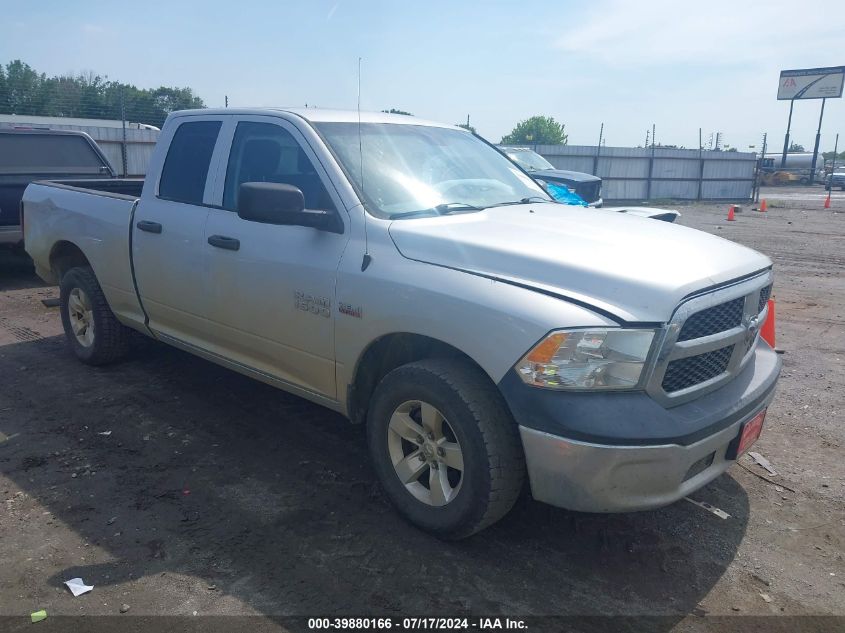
x,y
406,274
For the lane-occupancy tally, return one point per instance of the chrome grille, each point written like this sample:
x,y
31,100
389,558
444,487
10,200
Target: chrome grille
x,y
713,320
765,293
709,340
686,372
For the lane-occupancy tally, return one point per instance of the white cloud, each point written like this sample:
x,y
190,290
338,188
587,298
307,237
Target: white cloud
x,y
718,32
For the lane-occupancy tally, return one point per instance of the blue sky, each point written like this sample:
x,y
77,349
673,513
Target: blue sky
x,y
680,65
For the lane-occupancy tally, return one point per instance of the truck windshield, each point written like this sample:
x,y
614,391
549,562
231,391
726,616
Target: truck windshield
x,y
528,160
417,170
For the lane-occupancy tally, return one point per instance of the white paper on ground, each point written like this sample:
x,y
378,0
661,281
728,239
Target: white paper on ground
x,y
77,587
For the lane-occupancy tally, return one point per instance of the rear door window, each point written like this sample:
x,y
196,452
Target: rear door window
x,y
188,158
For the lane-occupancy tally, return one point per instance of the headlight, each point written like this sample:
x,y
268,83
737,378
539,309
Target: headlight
x,y
587,359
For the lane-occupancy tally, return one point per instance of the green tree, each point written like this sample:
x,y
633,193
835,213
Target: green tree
x,y
467,126
829,155
23,91
395,111
24,88
538,130
795,147
4,103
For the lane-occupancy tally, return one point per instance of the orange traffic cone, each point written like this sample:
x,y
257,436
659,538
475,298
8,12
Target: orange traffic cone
x,y
763,205
827,201
767,332
731,214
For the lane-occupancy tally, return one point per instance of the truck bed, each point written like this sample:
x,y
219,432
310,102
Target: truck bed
x,y
93,216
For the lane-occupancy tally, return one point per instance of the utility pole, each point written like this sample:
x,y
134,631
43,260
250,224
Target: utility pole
x,y
123,119
718,137
816,147
467,121
650,165
756,196
700,166
653,135
598,152
833,167
227,100
786,136
646,138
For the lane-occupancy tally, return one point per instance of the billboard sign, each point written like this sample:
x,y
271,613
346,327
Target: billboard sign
x,y
811,83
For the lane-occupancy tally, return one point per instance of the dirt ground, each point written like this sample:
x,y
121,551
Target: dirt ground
x,y
177,487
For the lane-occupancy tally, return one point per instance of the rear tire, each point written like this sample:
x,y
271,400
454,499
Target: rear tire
x,y
459,454
93,332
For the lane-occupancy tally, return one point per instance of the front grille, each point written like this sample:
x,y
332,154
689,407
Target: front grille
x,y
713,320
692,370
765,293
708,341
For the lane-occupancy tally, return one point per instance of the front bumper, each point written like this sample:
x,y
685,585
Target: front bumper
x,y
625,473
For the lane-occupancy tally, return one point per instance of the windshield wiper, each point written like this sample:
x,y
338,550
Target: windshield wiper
x,y
440,209
453,207
522,201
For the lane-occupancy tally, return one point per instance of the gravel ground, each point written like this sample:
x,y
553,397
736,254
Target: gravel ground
x,y
175,486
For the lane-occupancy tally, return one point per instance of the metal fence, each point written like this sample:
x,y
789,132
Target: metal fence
x,y
138,148
637,173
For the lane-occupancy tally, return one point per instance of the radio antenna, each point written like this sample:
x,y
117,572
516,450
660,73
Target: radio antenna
x,y
365,262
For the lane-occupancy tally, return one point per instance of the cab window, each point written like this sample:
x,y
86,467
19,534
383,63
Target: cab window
x,y
265,152
188,158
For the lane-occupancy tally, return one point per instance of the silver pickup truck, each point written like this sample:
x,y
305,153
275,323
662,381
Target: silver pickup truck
x,y
409,276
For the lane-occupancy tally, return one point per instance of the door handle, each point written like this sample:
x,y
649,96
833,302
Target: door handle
x,y
149,227
221,241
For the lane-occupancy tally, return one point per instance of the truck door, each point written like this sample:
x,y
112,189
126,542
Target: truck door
x,y
271,289
168,243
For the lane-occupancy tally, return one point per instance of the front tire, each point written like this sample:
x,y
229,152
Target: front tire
x,y
445,447
93,332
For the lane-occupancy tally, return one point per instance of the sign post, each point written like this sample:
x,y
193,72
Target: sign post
x,y
816,146
809,83
786,136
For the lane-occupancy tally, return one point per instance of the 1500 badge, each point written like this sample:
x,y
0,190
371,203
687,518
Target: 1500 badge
x,y
321,306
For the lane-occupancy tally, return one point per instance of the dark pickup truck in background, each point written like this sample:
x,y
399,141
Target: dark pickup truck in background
x,y
29,154
585,185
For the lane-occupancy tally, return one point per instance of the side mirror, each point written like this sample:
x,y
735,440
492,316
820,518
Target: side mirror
x,y
275,203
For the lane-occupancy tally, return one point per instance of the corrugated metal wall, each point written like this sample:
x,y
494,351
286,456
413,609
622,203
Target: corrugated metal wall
x,y
636,173
139,148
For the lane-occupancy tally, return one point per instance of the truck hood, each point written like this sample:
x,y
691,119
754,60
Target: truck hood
x,y
631,267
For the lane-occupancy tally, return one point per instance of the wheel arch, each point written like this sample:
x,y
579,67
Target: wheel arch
x,y
66,255
385,354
